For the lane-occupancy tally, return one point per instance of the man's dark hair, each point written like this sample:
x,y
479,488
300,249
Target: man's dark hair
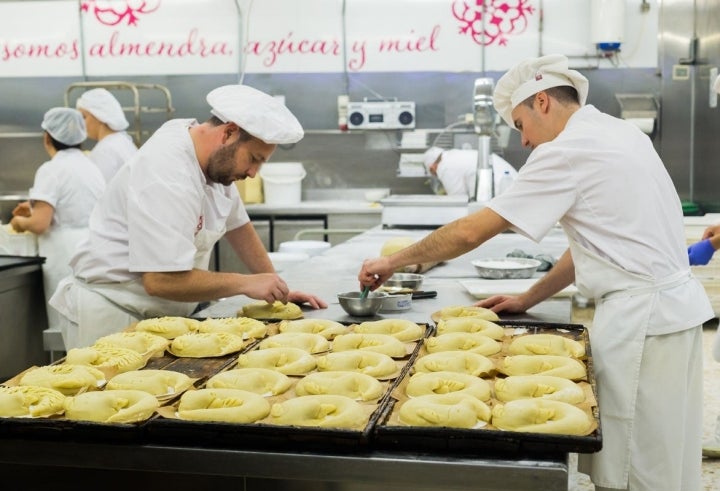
x,y
243,135
60,145
565,94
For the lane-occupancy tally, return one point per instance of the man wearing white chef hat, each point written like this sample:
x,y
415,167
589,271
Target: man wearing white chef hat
x,y
602,180
106,124
153,231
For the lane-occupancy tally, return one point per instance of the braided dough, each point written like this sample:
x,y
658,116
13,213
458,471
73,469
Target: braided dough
x,y
326,328
471,325
405,330
322,411
467,311
140,341
542,386
275,311
155,382
354,385
546,344
106,357
371,363
245,327
290,361
223,405
24,401
312,343
426,383
559,366
168,327
541,416
262,381
206,344
462,341
450,410
111,406
380,343
65,378
455,361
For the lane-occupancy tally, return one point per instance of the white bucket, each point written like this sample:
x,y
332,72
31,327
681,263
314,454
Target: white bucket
x,y
309,247
282,182
284,260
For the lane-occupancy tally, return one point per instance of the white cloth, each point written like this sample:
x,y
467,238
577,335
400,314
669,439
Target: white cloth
x,y
110,153
457,168
603,181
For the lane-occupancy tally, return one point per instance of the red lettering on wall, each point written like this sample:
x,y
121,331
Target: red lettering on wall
x,y
194,46
272,50
411,43
9,52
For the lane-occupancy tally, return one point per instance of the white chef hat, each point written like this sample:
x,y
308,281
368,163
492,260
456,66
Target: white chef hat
x,y
256,112
431,155
65,125
106,109
532,76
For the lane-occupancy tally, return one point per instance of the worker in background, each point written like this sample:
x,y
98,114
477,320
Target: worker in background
x,y
106,124
602,180
456,170
64,193
153,231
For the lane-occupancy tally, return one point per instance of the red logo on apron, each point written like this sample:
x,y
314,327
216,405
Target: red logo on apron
x,y
199,227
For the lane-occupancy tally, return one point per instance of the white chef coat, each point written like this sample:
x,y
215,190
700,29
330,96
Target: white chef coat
x,y
603,181
457,169
110,153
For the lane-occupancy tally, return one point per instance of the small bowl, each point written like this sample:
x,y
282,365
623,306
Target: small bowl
x,y
513,268
400,281
353,305
397,302
373,195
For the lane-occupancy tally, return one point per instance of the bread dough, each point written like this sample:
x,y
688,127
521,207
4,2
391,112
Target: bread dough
x,y
395,244
467,311
541,416
405,330
312,343
371,363
443,382
65,378
223,405
140,341
326,328
168,327
455,361
546,344
322,411
206,344
454,410
111,406
290,361
245,327
472,325
559,366
22,401
106,357
462,341
542,386
274,311
262,381
156,382
381,343
355,385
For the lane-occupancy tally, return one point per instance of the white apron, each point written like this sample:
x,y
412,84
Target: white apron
x,y
617,339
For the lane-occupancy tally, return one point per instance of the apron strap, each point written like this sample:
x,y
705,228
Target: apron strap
x,y
675,279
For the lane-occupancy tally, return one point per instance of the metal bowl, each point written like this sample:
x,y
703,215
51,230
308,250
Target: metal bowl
x,y
397,302
354,305
513,268
402,281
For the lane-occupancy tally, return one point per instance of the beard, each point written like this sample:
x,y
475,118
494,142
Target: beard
x,y
222,163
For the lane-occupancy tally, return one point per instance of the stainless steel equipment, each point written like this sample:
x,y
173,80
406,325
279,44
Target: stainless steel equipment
x,y
484,116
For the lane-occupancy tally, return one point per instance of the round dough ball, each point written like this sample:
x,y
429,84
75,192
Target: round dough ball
x,y
405,330
262,381
542,386
106,357
455,361
155,382
322,411
462,341
541,416
559,366
326,328
140,341
355,385
546,344
290,361
168,327
206,344
467,311
223,405
275,311
395,244
470,325
426,383
111,406
65,378
371,363
32,401
312,343
380,343
454,410
245,327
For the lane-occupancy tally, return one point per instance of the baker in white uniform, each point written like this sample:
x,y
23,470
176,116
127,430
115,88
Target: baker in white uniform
x,y
106,124
456,169
153,231
601,179
64,193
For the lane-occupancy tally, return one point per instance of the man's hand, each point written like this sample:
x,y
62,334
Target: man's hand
x,y
298,297
700,253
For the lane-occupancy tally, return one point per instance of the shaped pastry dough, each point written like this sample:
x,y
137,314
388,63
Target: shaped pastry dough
x,y
326,328
275,311
546,344
405,330
206,344
449,410
140,341
472,325
155,382
65,378
467,311
323,411
223,405
111,406
262,381
245,327
24,401
312,343
455,361
381,343
559,366
354,385
542,386
106,357
541,416
462,341
426,383
370,363
290,361
168,327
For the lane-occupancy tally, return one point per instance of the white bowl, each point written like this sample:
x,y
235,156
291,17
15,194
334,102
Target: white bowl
x,y
284,260
376,194
506,268
309,247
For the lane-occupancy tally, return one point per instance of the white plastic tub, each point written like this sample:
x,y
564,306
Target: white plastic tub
x,y
309,247
282,182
